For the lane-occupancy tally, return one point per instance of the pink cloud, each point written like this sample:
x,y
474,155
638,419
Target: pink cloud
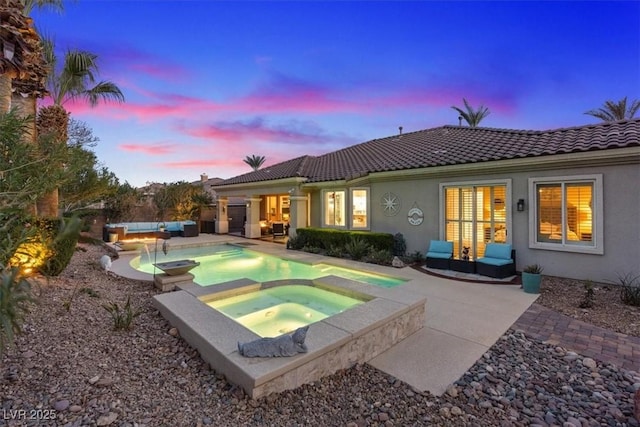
x,y
207,163
283,95
258,129
152,149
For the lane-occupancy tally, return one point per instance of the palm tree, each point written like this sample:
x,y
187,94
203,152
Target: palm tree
x,y
21,57
29,5
254,161
471,116
614,111
75,79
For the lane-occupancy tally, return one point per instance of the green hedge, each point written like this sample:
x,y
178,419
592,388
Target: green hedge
x,y
325,238
61,236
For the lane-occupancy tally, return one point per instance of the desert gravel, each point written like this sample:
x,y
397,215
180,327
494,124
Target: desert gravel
x,y
71,368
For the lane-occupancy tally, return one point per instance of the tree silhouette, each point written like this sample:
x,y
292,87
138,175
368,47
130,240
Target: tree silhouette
x,y
471,116
614,111
254,161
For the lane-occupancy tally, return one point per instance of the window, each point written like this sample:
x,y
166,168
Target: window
x,y
360,208
334,208
474,215
568,213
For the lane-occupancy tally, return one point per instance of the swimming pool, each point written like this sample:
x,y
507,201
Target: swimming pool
x,y
224,263
282,309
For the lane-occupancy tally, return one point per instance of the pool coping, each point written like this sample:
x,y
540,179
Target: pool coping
x,y
338,342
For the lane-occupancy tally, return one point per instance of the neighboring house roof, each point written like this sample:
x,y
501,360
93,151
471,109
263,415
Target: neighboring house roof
x,y
447,145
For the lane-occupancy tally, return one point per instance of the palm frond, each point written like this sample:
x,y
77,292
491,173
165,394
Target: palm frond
x,y
29,5
612,111
103,91
471,116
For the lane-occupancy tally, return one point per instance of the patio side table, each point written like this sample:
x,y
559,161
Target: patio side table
x,y
462,266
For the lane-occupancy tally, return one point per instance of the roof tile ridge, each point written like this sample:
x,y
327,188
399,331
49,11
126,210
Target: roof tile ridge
x,y
493,129
593,125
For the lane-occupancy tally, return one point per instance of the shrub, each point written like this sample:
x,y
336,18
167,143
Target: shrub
x,y
335,251
399,245
533,269
630,289
122,318
312,249
589,295
61,237
416,257
324,238
15,296
296,242
380,256
357,248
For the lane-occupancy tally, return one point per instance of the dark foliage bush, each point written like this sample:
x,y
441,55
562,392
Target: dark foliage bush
x,y
15,298
399,245
122,317
61,236
380,256
336,251
415,257
357,248
630,289
326,238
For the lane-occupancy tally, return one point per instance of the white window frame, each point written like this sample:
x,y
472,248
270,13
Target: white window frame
x,y
478,183
347,215
368,209
597,211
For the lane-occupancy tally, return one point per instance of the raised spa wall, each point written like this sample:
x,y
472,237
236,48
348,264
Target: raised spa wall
x,y
338,342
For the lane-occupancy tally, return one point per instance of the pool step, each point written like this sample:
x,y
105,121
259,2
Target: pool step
x,y
229,253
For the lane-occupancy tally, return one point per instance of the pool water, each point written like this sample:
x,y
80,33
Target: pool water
x,y
282,309
223,263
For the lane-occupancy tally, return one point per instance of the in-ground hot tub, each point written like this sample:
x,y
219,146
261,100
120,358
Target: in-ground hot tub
x,y
384,317
283,309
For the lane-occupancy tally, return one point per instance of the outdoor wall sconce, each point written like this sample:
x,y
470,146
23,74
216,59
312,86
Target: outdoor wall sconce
x,y
520,205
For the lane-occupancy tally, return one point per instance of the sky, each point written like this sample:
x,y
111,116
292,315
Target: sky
x,y
208,83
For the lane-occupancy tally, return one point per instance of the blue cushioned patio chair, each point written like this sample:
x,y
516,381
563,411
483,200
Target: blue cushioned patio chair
x,y
499,261
439,254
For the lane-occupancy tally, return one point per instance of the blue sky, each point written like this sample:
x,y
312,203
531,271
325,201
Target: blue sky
x,y
208,83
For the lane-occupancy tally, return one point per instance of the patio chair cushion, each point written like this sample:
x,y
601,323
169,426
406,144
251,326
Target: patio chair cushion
x,y
498,251
441,255
495,261
441,247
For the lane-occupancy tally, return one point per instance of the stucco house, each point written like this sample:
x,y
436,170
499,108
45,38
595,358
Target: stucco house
x,y
568,199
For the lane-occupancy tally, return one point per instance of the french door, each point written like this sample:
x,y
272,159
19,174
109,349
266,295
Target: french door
x,y
475,215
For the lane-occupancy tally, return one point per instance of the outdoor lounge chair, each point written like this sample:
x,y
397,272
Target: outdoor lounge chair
x,y
439,254
499,261
278,229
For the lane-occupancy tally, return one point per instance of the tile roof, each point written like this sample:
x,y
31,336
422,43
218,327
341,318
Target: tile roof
x,y
448,145
287,169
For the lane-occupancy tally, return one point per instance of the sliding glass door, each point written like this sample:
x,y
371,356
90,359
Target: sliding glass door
x,y
474,216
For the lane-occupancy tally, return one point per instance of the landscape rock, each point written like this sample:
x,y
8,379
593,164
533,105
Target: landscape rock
x,y
149,377
397,262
